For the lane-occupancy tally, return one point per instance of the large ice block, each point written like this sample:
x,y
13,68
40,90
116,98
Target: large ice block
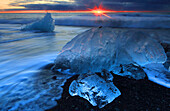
x,y
46,24
107,48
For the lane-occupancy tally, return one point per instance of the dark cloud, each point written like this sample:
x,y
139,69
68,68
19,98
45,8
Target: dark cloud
x,y
128,4
53,7
152,5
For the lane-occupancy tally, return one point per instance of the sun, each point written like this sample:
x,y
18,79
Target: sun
x,y
99,11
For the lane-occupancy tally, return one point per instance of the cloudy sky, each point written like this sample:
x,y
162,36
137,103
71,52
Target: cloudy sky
x,y
140,5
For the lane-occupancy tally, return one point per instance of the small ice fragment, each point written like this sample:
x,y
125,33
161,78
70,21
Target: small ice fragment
x,y
46,24
132,71
158,74
94,89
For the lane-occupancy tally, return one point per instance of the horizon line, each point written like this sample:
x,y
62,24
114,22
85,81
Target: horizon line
x,y
72,11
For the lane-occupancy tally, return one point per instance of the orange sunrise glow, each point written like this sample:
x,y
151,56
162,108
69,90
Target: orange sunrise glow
x,y
96,12
100,11
19,6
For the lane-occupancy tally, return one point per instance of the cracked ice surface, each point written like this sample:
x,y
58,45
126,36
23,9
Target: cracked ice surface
x,y
107,48
46,24
96,90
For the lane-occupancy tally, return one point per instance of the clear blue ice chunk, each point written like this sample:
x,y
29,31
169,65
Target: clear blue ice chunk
x,y
46,24
110,49
96,90
158,74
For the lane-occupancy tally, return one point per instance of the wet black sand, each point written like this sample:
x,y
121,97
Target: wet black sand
x,y
137,95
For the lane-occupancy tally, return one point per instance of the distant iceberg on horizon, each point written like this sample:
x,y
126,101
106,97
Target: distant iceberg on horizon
x,y
46,24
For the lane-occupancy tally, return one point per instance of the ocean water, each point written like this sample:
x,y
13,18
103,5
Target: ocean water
x,y
24,84
117,20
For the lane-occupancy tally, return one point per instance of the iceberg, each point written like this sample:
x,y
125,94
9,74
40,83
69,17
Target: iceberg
x,y
98,91
110,49
46,24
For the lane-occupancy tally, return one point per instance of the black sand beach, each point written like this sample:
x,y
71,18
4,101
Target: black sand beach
x,y
137,95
